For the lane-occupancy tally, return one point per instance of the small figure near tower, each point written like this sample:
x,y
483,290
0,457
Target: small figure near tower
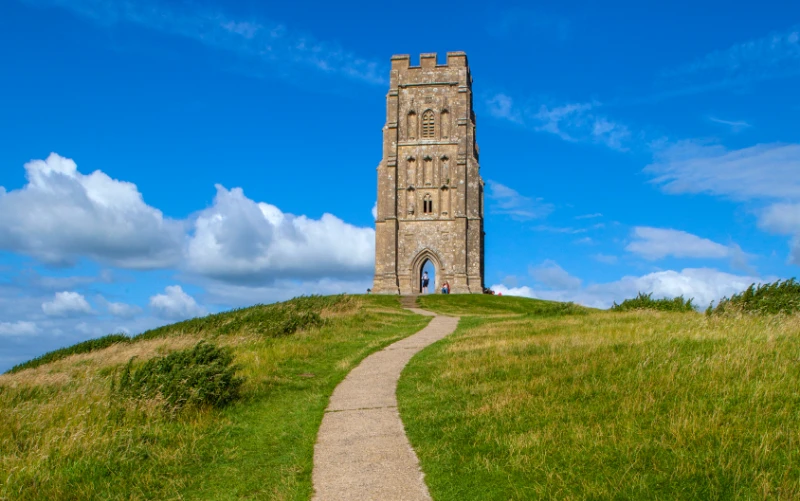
x,y
430,193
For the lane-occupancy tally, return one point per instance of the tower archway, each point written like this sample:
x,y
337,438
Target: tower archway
x,y
426,257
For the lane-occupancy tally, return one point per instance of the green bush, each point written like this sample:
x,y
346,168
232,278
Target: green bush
x,y
198,376
646,302
777,297
84,347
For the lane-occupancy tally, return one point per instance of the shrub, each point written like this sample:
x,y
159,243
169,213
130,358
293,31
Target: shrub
x,y
198,376
646,302
777,297
84,347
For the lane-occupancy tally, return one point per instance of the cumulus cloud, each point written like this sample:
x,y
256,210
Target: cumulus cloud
x,y
61,215
176,304
375,211
239,240
702,284
507,201
66,304
658,243
551,275
19,328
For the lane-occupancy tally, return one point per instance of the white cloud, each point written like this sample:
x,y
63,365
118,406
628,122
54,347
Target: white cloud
x,y
760,171
735,125
123,310
658,243
605,258
580,122
19,328
61,215
375,211
260,41
753,59
509,202
589,216
784,218
175,304
574,122
67,304
551,275
242,241
502,106
702,284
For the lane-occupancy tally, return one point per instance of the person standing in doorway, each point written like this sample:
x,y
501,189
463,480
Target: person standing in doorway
x,y
425,281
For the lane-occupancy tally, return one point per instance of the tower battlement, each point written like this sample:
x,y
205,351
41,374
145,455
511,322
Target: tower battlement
x,y
429,60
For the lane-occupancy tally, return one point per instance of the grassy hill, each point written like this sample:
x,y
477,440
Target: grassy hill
x,y
570,403
63,436
528,399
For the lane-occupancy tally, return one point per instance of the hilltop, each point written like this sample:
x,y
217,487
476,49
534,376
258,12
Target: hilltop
x,y
526,399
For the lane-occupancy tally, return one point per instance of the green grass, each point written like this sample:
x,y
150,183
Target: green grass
x,y
606,405
765,299
646,302
60,437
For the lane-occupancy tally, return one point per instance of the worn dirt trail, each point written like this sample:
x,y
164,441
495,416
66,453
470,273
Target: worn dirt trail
x,y
362,452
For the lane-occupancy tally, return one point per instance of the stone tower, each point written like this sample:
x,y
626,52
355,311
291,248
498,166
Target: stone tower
x,y
430,193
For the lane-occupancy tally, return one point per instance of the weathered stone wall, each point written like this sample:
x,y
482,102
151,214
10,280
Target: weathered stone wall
x,y
430,193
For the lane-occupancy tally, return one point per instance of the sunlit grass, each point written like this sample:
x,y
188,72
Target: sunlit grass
x,y
61,439
608,405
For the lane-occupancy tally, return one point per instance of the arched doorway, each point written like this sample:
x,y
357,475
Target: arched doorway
x,y
429,268
426,260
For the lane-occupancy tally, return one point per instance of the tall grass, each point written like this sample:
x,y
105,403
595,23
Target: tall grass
x,y
63,437
646,302
777,297
630,405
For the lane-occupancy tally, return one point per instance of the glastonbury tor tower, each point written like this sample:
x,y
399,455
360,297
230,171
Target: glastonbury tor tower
x,y
430,193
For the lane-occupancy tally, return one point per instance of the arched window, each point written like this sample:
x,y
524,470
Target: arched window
x,y
427,204
428,125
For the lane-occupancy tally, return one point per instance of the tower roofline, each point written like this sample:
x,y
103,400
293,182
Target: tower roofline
x,y
456,59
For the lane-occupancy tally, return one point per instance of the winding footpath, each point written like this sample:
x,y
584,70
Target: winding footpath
x,y
362,452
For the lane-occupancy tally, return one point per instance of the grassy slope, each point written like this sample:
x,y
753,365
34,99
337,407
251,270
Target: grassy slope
x,y
605,405
60,438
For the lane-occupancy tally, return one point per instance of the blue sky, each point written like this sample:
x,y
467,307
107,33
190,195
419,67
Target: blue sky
x,y
160,159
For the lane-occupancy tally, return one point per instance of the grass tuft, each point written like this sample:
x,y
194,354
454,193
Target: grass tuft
x,y
765,299
646,302
203,375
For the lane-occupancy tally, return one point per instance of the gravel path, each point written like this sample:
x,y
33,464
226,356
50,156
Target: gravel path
x,y
362,452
